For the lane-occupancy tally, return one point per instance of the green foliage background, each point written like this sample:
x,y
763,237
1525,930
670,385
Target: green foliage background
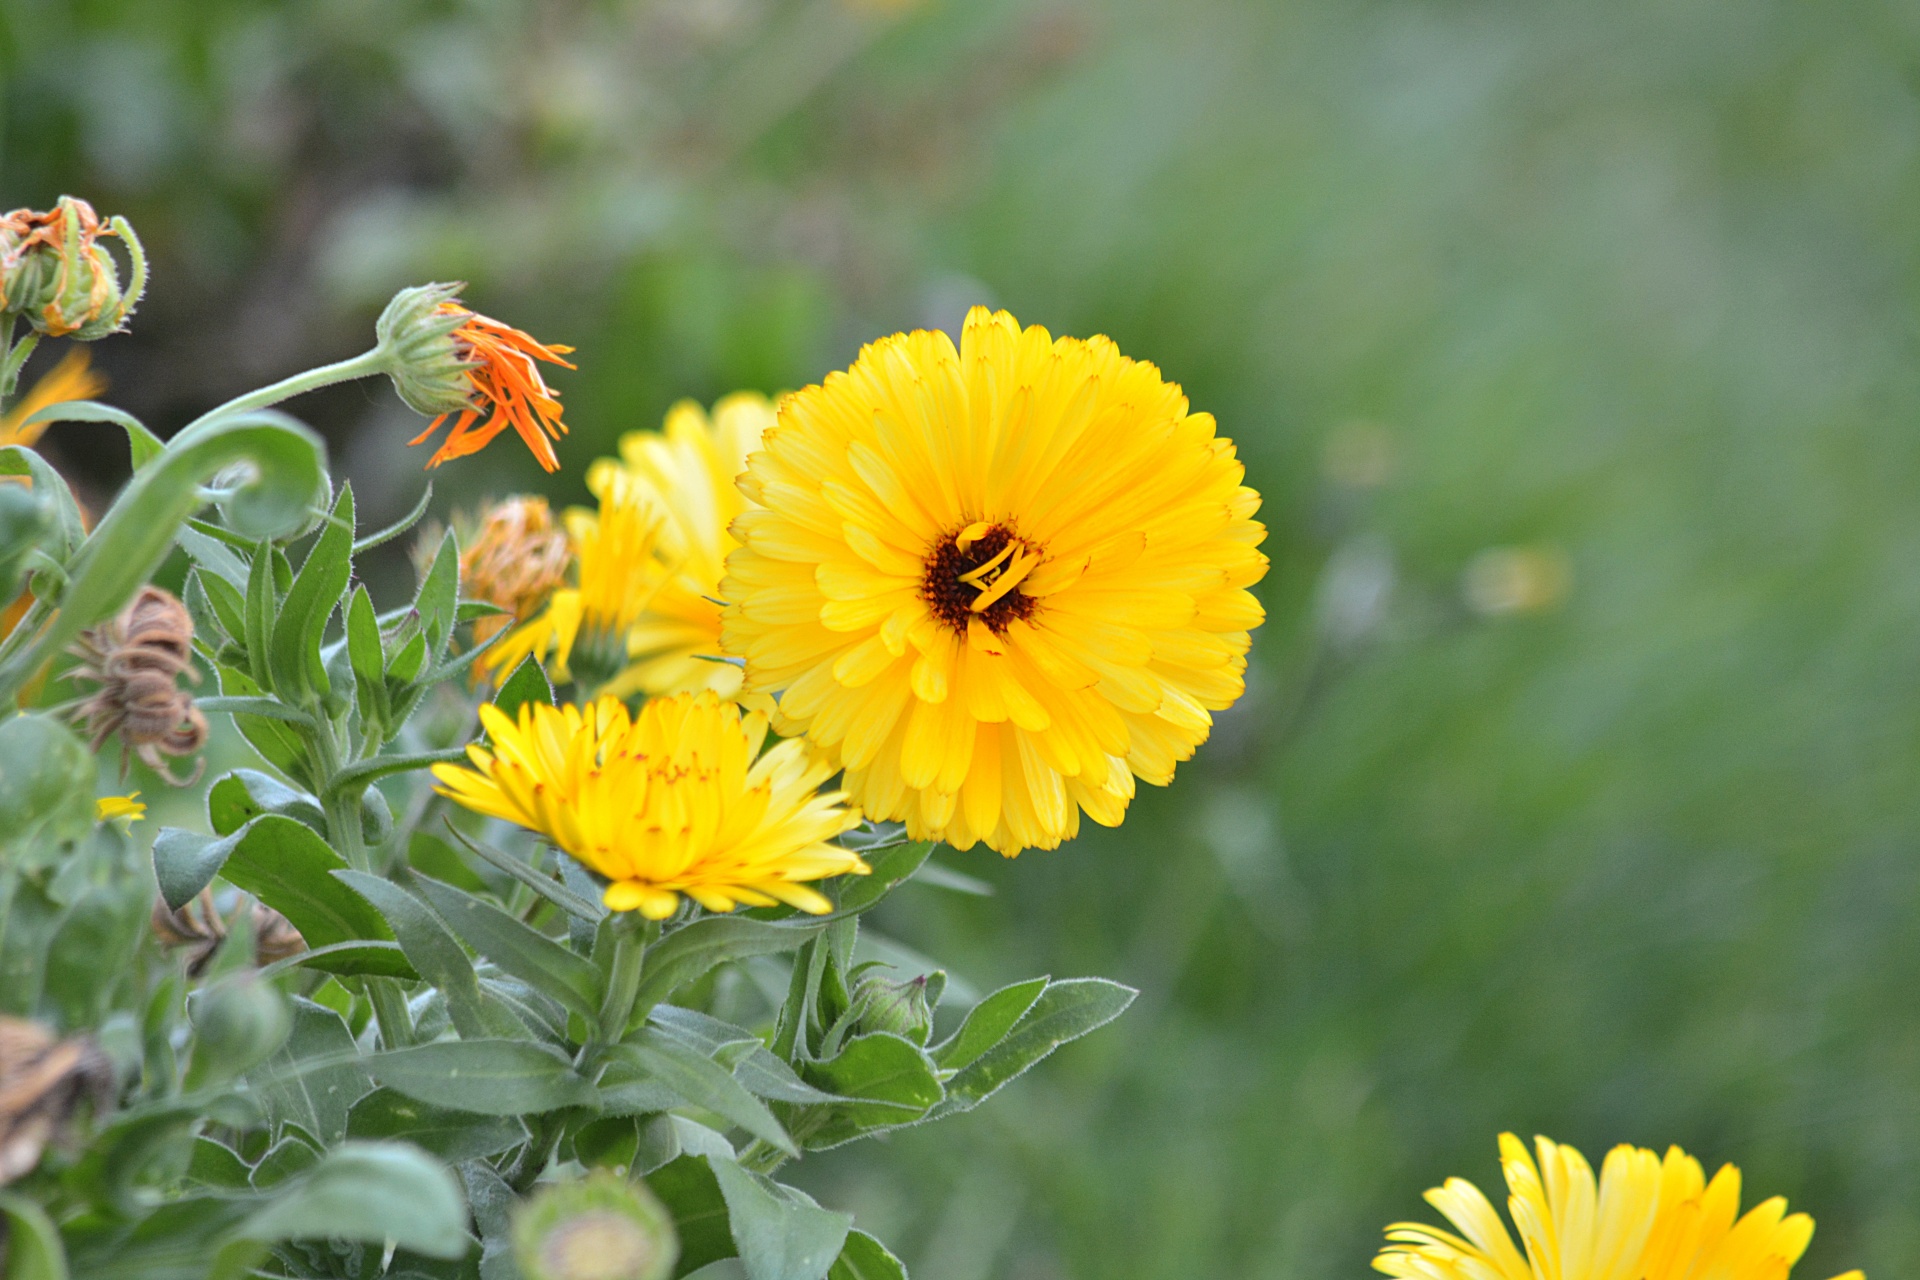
x,y
1634,280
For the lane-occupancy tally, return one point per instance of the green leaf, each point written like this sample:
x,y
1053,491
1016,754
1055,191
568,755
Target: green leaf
x,y
227,600
886,1081
46,788
263,603
451,1135
1065,1011
891,866
488,1077
245,794
988,1024
762,1074
141,443
185,862
864,1258
353,959
437,958
282,473
377,1192
692,950
214,1164
214,560
532,957
439,596
294,1090
360,774
34,1251
528,683
399,526
687,1187
546,886
368,659
703,1083
294,654
284,864
69,530
781,1234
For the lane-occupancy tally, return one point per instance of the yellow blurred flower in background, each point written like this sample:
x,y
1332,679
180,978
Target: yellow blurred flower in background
x,y
997,584
73,378
1645,1219
676,800
107,808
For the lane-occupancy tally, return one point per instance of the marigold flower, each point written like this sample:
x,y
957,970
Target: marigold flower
x,y
1646,1219
689,473
503,385
584,628
107,808
514,559
997,583
55,272
677,800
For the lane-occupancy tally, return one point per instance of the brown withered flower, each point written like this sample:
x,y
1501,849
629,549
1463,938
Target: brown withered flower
x,y
135,659
199,929
43,1080
514,559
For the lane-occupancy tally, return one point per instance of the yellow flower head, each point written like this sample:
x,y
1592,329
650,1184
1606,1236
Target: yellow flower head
x,y
677,800
71,379
1645,1219
689,472
997,583
584,628
107,808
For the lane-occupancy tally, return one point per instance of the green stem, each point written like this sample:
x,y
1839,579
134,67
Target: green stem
x,y
761,1156
346,836
630,943
361,366
16,356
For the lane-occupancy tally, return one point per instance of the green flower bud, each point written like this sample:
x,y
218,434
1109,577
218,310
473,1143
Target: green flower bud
x,y
599,1228
899,1007
427,366
237,1023
55,272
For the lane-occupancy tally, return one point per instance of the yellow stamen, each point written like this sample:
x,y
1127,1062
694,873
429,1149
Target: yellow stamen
x,y
977,575
1020,568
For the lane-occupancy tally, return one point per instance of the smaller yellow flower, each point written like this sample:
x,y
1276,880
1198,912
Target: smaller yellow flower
x,y
107,808
71,379
678,800
1645,1219
584,628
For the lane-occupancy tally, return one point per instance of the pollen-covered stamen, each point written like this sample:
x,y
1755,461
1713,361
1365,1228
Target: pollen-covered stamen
x,y
974,576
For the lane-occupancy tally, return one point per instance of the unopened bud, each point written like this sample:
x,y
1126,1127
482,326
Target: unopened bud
x,y
55,272
237,1023
427,366
602,1227
898,1007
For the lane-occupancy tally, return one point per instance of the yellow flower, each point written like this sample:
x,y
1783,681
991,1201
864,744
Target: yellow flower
x,y
106,808
676,801
1646,1219
71,379
997,584
688,471
584,628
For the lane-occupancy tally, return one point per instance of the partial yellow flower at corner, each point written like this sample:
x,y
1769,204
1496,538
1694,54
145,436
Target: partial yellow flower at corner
x,y
107,808
997,583
73,378
678,800
1645,1218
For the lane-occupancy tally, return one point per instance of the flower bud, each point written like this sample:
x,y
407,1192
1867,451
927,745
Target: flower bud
x,y
599,1228
237,1023
899,1007
55,272
426,364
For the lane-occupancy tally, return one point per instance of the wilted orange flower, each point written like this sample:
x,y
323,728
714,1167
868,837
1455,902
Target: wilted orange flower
x,y
515,559
504,383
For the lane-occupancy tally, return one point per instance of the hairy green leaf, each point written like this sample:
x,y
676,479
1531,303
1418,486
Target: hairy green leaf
x,y
1064,1011
378,1192
532,957
487,1077
781,1234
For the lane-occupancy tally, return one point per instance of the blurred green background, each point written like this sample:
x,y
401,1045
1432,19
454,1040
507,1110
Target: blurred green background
x,y
1573,346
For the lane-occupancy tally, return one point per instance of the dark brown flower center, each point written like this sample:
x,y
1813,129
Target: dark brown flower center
x,y
971,565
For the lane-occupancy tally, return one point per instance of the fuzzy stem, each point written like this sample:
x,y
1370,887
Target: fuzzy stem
x,y
630,942
361,366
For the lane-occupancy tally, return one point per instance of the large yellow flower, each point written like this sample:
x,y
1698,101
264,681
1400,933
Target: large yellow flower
x,y
1646,1219
996,583
678,800
689,472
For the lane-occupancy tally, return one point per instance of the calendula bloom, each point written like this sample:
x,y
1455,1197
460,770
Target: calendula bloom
x,y
998,583
678,800
107,808
514,559
71,379
56,274
504,387
1646,1219
583,630
688,471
